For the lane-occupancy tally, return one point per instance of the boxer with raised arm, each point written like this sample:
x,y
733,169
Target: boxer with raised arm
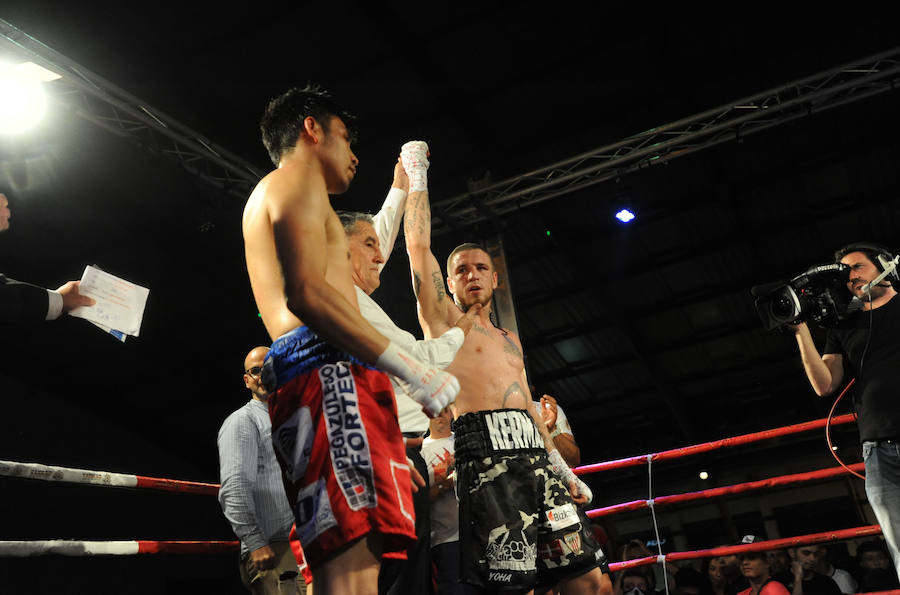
x,y
519,526
334,419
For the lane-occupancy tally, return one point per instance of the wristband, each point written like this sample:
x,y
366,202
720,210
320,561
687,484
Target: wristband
x,y
414,156
430,387
397,362
562,470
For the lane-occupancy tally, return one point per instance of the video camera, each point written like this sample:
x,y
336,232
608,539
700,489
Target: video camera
x,y
819,295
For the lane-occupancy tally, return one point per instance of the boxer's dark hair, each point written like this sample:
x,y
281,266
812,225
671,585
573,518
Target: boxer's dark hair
x,y
282,121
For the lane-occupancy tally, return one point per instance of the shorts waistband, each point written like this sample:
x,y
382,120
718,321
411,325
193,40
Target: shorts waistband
x,y
502,431
296,352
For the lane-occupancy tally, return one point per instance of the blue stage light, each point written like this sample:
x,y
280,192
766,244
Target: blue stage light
x,y
625,216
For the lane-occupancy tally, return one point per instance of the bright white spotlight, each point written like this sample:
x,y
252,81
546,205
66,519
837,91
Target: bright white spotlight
x,y
625,215
22,100
704,475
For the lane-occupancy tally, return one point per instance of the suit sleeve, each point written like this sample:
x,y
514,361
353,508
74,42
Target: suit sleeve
x,y
22,302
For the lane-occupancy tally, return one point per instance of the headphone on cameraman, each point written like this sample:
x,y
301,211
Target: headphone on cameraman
x,y
877,254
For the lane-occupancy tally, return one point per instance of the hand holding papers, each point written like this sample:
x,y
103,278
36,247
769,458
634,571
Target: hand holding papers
x,y
120,305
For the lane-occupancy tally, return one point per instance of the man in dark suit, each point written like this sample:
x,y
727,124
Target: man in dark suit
x,y
22,302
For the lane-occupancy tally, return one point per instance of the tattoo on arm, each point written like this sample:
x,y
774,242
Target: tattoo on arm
x,y
418,217
438,285
417,283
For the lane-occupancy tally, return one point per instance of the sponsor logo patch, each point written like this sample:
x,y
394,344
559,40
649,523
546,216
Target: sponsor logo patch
x,y
293,441
552,550
512,430
313,512
500,577
562,517
573,540
347,439
510,550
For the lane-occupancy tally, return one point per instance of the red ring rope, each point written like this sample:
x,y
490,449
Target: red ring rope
x,y
724,490
676,453
760,546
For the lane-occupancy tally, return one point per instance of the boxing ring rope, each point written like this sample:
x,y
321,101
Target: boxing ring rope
x,y
108,479
760,546
104,478
676,453
67,547
739,488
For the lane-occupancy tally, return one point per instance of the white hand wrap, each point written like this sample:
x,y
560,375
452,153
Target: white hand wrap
x,y
428,386
562,471
414,156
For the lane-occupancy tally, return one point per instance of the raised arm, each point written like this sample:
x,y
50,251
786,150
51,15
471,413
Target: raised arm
x,y
435,307
387,220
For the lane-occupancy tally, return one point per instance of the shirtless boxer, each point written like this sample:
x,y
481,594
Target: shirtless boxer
x,y
519,526
334,420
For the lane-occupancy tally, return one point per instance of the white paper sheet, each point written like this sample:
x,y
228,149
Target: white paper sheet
x,y
120,304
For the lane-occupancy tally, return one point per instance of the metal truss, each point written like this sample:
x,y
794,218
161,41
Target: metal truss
x,y
813,94
97,100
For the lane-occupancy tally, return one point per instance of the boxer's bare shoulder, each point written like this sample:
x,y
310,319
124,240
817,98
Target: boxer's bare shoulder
x,y
290,232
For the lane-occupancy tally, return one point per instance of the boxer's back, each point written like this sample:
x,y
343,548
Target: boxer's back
x,y
289,188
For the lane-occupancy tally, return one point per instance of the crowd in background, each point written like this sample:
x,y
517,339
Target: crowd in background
x,y
832,569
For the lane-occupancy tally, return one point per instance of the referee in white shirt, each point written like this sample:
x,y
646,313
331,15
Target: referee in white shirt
x,y
371,239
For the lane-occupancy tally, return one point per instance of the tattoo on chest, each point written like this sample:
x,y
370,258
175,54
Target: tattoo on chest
x,y
513,389
478,328
510,347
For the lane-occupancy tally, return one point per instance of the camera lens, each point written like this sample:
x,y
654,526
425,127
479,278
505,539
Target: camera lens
x,y
782,306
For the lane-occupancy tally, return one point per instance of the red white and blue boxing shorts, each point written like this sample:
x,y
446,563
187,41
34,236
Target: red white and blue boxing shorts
x,y
336,438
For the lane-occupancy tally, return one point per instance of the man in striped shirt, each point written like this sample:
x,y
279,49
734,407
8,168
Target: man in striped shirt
x,y
252,494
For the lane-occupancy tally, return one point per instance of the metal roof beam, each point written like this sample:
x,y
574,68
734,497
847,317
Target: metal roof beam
x,y
97,100
813,94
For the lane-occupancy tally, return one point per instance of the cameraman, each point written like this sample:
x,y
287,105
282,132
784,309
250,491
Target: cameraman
x,y
867,345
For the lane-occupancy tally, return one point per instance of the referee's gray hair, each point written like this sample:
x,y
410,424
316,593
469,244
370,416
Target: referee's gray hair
x,y
349,219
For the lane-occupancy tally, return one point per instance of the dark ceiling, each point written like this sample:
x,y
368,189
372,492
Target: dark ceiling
x,y
646,334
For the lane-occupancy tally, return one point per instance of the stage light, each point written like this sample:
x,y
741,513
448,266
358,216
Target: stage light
x,y
704,475
22,98
625,215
